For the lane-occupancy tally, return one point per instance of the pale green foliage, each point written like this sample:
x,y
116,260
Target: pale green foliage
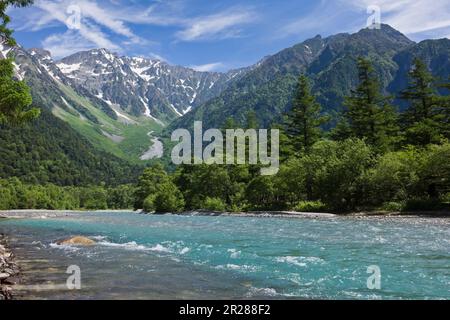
x,y
214,204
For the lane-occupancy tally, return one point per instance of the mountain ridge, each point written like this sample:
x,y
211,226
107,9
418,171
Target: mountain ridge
x,y
329,62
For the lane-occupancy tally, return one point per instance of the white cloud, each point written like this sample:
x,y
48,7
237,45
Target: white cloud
x,y
106,23
218,26
411,16
62,45
92,18
208,67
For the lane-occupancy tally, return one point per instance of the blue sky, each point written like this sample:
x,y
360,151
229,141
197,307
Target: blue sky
x,y
211,34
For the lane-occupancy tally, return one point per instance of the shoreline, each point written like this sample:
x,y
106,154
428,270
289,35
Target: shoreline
x,y
40,213
9,270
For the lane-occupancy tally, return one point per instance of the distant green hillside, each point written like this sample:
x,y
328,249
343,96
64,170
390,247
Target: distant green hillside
x,y
49,151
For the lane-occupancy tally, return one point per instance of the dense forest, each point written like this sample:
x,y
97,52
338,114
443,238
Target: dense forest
x,y
376,158
47,150
371,156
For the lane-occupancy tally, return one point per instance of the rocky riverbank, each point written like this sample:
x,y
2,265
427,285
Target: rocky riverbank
x,y
9,270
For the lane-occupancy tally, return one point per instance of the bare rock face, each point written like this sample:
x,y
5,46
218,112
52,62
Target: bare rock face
x,y
77,241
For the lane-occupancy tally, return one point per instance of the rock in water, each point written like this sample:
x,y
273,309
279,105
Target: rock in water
x,y
4,276
77,241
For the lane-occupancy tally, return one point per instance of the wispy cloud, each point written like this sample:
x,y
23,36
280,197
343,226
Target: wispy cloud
x,y
408,16
218,26
325,15
208,67
108,23
411,16
64,44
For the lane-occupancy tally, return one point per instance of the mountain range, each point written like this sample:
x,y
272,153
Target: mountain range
x,y
114,103
331,65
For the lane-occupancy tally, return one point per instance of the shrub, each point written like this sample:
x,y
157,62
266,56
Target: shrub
x,y
214,204
149,203
394,177
310,206
337,172
393,206
169,201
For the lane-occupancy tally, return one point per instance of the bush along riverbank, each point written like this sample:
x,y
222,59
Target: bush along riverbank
x,y
9,270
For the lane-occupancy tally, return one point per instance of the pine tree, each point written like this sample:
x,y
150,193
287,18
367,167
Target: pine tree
x,y
420,120
303,123
443,111
15,97
369,113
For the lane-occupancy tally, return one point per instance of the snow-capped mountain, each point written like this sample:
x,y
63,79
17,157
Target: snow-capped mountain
x,y
115,102
143,86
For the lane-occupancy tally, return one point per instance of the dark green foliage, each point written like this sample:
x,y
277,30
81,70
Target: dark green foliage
x,y
15,97
368,113
121,197
422,120
156,192
168,199
304,121
47,150
200,182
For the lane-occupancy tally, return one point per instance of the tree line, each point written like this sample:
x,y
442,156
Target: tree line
x,y
376,158
14,194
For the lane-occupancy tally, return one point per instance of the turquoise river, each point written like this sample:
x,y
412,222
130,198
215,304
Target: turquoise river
x,y
209,257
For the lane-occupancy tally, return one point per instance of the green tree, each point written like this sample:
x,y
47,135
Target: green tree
x,y
421,120
395,176
149,184
214,204
443,111
338,170
15,97
303,123
369,114
167,199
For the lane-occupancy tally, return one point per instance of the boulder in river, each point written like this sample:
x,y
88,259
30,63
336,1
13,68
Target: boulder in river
x,y
77,241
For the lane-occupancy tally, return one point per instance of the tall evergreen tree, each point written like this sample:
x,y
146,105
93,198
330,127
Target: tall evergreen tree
x,y
369,113
443,111
303,123
15,97
421,120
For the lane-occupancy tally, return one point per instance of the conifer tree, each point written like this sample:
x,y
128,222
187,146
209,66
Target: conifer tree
x,y
421,120
444,111
15,97
303,123
369,114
